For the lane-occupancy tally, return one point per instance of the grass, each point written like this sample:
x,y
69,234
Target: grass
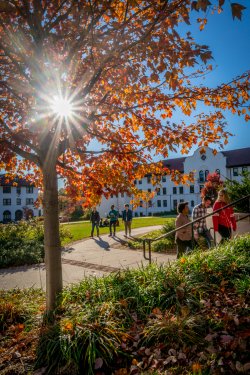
x,y
82,230
188,317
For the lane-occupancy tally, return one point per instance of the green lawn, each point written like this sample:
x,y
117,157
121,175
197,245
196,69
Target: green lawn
x,y
82,229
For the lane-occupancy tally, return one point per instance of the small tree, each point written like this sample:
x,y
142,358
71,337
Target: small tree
x,y
212,186
76,73
239,189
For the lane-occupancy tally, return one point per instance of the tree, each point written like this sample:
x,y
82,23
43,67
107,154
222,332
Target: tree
x,y
143,198
239,189
212,186
76,72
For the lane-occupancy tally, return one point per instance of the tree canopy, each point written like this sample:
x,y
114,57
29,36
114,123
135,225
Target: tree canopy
x,y
123,67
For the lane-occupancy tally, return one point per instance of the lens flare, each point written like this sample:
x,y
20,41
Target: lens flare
x,y
62,107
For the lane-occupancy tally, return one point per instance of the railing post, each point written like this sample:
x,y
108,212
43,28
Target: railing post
x,y
144,249
149,251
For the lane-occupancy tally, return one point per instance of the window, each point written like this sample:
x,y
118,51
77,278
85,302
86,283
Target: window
x,y
18,190
244,169
122,195
135,182
18,201
111,195
150,214
206,174
192,203
6,202
6,189
181,200
140,182
18,215
140,203
175,203
217,171
141,213
191,189
149,203
181,190
6,216
158,191
29,189
149,179
201,176
201,187
164,191
149,190
158,203
165,203
164,179
29,201
175,190
235,171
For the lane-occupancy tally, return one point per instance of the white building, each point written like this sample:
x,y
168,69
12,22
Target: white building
x,y
229,164
17,198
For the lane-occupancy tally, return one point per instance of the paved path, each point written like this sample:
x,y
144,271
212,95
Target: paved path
x,y
96,257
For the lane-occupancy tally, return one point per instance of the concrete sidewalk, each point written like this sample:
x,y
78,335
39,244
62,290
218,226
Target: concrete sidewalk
x,y
95,256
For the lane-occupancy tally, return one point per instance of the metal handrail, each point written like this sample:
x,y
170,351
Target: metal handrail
x,y
149,240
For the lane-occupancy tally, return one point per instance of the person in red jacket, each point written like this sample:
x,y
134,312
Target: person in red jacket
x,y
223,221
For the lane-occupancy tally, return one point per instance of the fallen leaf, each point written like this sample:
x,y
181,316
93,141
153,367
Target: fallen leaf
x,y
98,363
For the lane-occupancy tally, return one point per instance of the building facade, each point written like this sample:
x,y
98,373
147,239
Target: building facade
x,y
17,200
229,164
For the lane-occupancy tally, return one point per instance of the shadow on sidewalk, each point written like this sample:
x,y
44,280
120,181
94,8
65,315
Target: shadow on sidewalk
x,y
101,243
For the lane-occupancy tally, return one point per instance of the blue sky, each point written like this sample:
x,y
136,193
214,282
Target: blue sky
x,y
229,41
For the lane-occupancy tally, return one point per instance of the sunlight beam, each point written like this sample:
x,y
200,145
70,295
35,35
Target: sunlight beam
x,y
62,107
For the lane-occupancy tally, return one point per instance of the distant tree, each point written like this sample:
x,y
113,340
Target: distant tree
x,y
212,186
143,199
78,73
239,189
68,206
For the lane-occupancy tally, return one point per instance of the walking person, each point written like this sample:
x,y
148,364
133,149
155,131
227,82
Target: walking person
x,y
95,220
183,237
127,216
113,217
200,228
223,221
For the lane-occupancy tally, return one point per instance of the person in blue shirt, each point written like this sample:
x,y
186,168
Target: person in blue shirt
x,y
127,219
113,217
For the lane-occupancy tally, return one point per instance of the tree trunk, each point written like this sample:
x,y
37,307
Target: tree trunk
x,y
53,262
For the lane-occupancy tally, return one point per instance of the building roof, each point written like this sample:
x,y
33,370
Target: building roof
x,y
236,158
176,164
14,182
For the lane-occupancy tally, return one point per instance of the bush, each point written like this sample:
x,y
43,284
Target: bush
x,y
165,213
163,245
22,243
239,189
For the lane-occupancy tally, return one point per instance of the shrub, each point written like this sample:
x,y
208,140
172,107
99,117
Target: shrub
x,y
23,242
163,245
